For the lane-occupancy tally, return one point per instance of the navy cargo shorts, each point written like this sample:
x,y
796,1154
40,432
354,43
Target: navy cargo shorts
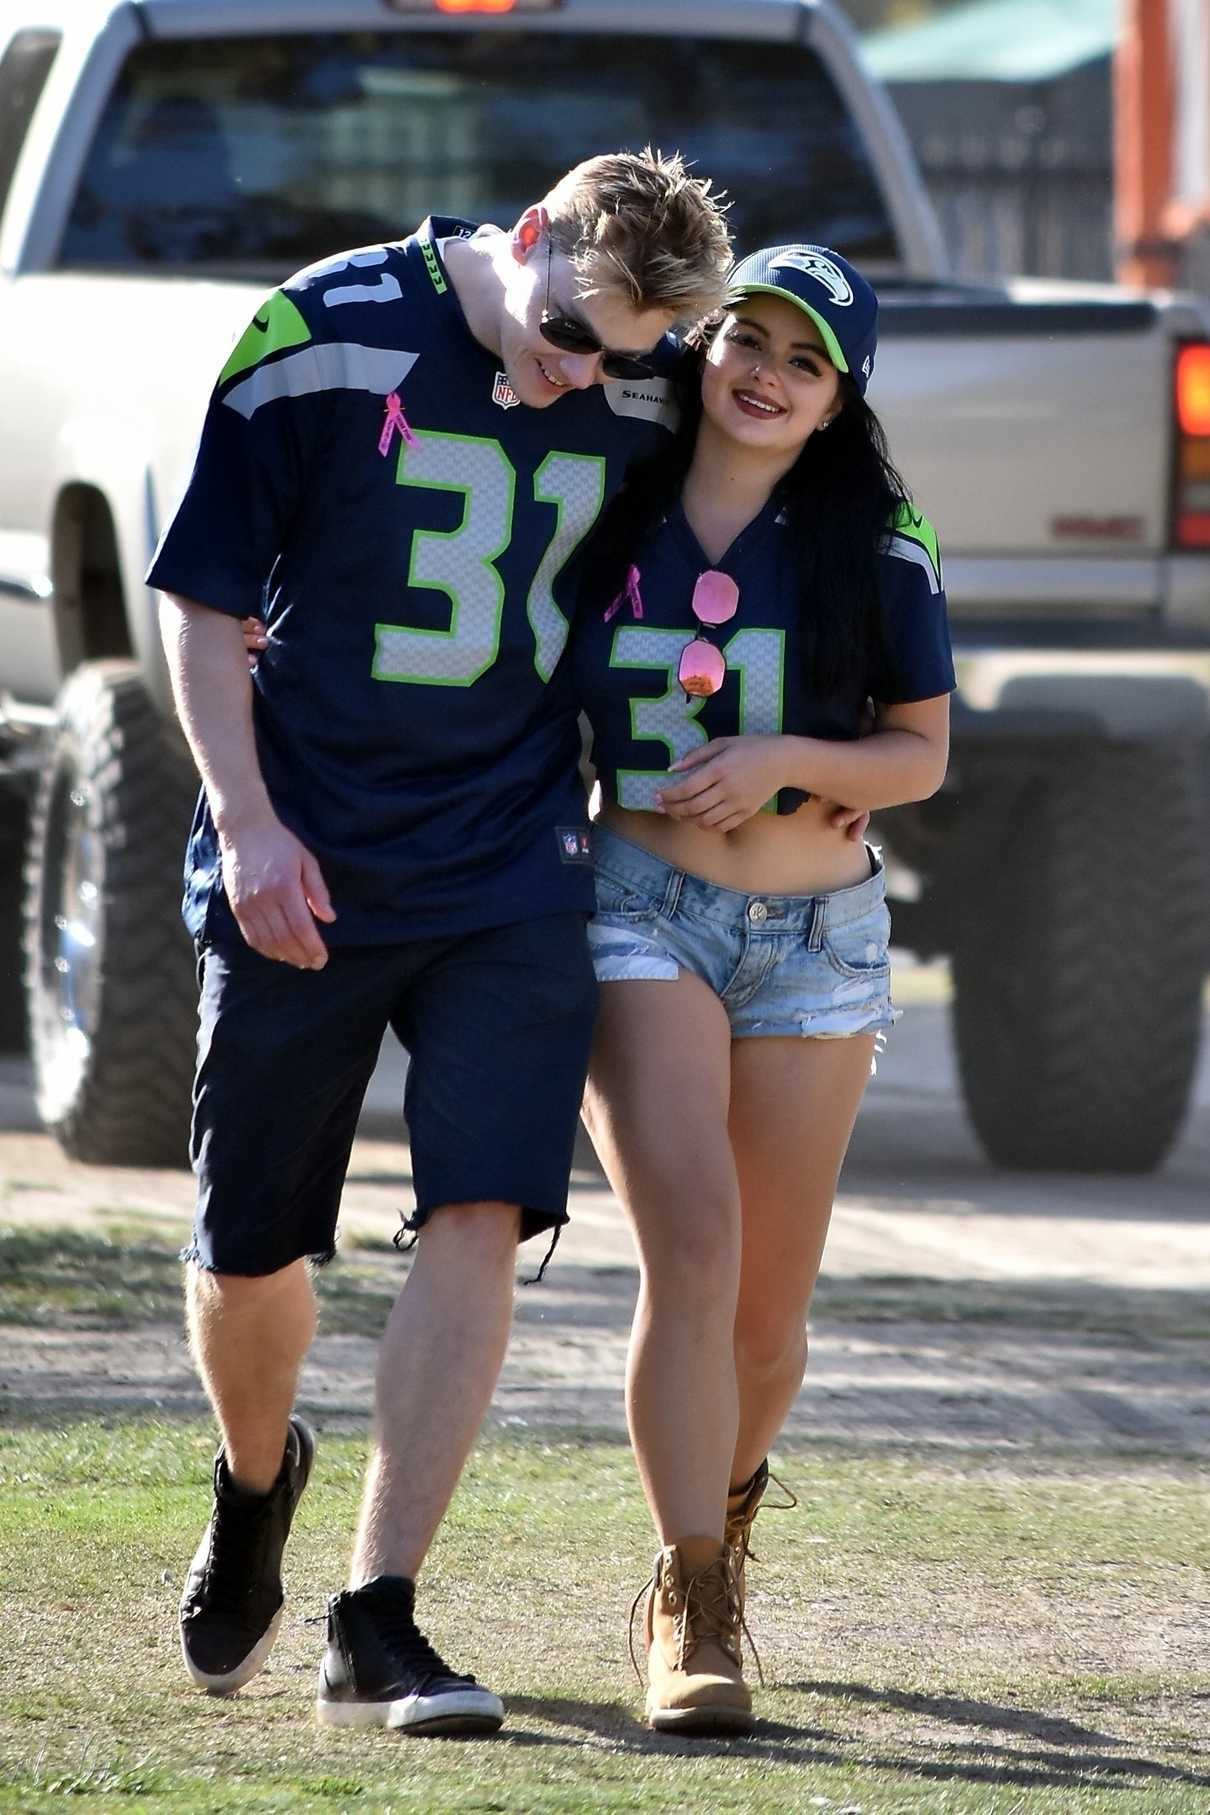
x,y
497,1024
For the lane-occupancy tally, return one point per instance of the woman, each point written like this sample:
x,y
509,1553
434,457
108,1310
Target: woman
x,y
767,579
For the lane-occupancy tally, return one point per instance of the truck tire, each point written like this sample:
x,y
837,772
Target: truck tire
x,y
109,973
14,817
1077,978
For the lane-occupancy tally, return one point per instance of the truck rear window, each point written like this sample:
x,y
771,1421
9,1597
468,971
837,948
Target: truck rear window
x,y
264,154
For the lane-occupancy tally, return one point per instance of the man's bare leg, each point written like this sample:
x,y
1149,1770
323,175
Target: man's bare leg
x,y
438,1365
437,1368
248,1337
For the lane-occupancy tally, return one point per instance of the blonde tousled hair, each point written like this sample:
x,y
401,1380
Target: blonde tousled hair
x,y
639,224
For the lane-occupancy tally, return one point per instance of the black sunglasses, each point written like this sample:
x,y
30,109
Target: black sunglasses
x,y
571,336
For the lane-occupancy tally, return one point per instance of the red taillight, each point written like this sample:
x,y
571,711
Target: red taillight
x,y
1193,390
471,7
1191,501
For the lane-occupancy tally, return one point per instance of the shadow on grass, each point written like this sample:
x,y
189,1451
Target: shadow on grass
x,y
965,1713
613,1724
1008,1765
127,1278
76,1279
1066,1307
781,1743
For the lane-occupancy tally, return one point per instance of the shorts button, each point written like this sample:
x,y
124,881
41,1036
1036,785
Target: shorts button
x,y
757,911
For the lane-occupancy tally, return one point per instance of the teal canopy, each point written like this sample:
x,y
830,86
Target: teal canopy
x,y
996,41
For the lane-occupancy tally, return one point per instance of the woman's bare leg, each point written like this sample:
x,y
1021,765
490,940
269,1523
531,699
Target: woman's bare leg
x,y
657,1111
793,1106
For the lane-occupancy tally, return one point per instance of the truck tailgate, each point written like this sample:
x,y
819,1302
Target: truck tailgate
x,y
1032,427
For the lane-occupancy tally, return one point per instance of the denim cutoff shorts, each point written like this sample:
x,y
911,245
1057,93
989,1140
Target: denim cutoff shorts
x,y
815,966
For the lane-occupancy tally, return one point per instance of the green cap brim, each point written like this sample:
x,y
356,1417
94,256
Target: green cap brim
x,y
829,339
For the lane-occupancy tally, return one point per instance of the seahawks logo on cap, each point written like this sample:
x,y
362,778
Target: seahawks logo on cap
x,y
823,271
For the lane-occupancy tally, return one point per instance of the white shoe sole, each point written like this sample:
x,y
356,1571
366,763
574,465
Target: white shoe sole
x,y
235,1679
459,1711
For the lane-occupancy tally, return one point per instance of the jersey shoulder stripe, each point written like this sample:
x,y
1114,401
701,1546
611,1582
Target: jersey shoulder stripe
x,y
334,366
911,537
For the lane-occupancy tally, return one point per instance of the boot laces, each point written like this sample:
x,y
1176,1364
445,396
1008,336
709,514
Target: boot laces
x,y
710,1610
743,1523
648,1585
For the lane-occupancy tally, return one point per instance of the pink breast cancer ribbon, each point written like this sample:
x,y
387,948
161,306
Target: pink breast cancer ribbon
x,y
629,593
395,419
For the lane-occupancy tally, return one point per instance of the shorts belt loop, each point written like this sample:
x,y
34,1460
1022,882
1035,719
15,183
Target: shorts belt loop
x,y
672,892
819,914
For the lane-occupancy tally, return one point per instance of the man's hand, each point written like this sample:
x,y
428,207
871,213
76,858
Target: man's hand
x,y
276,892
852,821
727,781
255,638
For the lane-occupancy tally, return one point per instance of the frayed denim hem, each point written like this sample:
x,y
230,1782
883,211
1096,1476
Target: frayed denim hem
x,y
412,1225
192,1257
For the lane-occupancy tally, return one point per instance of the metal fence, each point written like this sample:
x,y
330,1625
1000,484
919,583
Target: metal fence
x,y
1021,175
1047,221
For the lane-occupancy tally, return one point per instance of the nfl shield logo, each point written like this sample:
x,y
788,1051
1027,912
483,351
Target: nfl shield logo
x,y
503,393
571,843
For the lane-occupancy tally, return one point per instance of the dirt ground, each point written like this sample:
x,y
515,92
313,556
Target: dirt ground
x,y
1021,1313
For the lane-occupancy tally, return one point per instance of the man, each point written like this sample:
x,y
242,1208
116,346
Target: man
x,y
392,831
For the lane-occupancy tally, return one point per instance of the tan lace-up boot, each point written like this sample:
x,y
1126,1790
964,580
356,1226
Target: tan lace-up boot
x,y
743,1504
695,1681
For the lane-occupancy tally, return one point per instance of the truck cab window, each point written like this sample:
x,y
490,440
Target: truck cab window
x,y
279,151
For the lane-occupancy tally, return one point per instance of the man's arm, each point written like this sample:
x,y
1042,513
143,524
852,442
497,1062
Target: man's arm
x,y
272,883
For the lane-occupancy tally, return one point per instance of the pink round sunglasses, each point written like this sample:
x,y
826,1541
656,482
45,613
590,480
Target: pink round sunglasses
x,y
702,668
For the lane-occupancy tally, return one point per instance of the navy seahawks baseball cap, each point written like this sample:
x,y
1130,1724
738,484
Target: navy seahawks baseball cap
x,y
824,286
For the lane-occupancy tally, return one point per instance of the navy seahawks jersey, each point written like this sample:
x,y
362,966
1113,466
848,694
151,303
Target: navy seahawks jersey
x,y
625,665
367,481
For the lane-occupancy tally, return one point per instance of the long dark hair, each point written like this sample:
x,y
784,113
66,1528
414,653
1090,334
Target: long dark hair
x,y
840,497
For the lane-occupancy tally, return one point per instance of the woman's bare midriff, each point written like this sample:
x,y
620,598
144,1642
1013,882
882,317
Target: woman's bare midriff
x,y
798,854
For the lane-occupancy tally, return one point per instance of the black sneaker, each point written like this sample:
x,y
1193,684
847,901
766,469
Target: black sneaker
x,y
232,1604
381,1671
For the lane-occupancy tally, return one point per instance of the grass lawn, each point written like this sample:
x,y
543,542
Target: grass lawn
x,y
943,1632
938,1635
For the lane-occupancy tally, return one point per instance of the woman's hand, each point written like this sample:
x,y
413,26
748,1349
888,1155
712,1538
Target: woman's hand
x,y
255,638
726,782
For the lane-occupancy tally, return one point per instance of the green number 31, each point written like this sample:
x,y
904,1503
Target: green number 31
x,y
462,562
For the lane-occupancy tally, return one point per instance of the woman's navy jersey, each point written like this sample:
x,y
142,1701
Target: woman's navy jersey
x,y
625,669
413,722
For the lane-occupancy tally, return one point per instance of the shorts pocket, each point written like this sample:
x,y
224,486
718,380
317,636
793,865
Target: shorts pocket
x,y
859,948
620,900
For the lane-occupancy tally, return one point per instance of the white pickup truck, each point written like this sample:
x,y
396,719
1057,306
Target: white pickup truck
x,y
164,162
